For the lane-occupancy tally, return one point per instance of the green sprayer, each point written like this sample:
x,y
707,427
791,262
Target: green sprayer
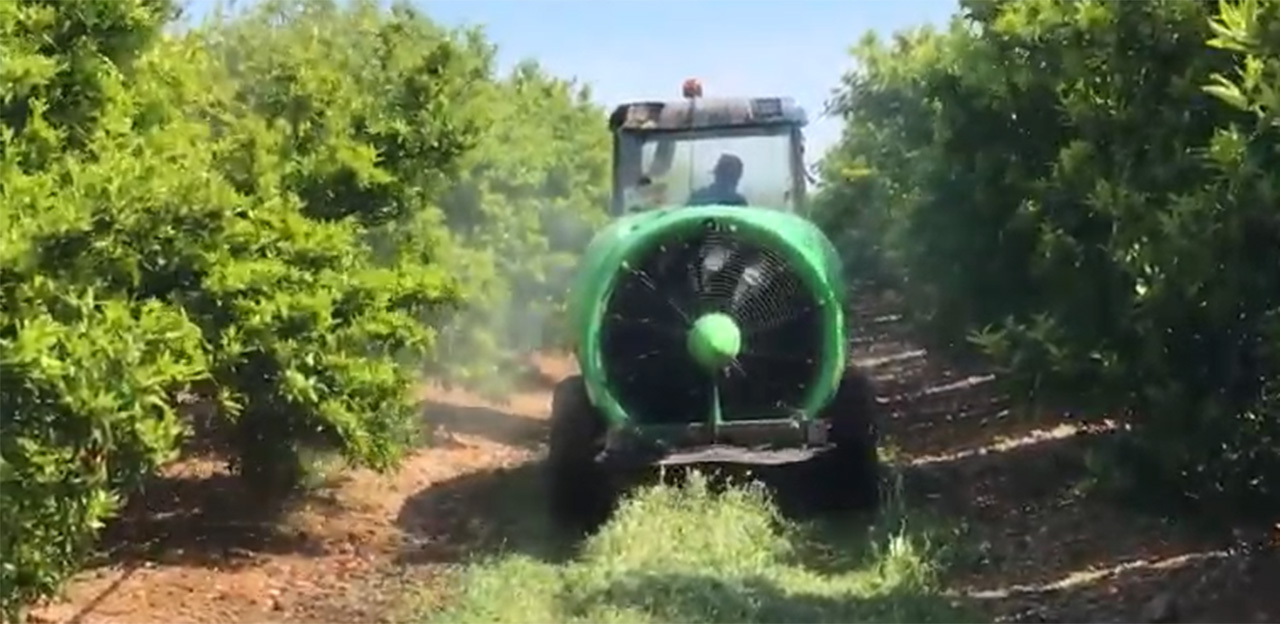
x,y
709,316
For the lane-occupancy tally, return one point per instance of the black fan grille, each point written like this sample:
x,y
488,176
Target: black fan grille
x,y
706,270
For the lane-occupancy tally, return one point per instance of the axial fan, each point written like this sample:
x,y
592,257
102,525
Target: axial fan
x,y
709,320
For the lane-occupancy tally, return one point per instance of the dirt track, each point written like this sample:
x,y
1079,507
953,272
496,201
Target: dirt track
x,y
1036,550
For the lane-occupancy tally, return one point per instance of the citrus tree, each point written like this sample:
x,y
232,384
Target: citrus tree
x,y
1085,192
199,212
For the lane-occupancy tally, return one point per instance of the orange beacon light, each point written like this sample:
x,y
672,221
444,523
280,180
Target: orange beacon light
x,y
692,88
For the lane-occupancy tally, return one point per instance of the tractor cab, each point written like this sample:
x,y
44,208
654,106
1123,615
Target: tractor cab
x,y
695,151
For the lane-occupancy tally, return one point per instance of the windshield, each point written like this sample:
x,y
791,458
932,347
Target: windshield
x,y
701,169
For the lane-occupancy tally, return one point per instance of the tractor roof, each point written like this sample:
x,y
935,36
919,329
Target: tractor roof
x,y
707,113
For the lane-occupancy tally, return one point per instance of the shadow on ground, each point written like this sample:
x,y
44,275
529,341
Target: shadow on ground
x,y
197,513
202,520
1039,548
711,599
935,409
479,514
444,420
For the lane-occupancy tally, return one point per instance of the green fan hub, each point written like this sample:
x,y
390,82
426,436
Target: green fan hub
x,y
714,340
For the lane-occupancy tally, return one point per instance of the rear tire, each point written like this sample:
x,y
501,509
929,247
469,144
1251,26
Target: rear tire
x,y
850,472
580,493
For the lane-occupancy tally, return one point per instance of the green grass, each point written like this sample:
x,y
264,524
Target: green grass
x,y
687,554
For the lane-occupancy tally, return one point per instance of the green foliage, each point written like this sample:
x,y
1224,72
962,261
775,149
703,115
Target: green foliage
x,y
529,197
282,211
87,410
86,375
1087,191
348,119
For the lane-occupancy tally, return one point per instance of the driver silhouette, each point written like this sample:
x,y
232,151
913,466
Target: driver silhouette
x,y
723,189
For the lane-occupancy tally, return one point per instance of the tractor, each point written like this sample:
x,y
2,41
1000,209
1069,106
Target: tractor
x,y
708,316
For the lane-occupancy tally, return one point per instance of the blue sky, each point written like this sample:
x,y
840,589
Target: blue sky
x,y
643,49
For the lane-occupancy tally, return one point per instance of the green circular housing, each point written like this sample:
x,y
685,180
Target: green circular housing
x,y
715,339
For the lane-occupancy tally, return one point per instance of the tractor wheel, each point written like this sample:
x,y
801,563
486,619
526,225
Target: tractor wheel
x,y
580,493
850,471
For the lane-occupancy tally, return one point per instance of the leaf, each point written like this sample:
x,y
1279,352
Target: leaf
x,y
1227,92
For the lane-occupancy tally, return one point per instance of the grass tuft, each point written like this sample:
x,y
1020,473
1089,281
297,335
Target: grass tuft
x,y
690,554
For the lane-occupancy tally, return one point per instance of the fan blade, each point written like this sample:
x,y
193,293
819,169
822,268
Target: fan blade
x,y
728,275
753,284
673,270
